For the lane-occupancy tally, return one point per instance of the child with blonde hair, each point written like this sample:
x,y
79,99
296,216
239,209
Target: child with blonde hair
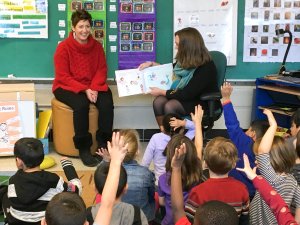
x,y
140,180
275,160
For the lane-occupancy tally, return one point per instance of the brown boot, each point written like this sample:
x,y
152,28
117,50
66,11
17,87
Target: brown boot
x,y
159,120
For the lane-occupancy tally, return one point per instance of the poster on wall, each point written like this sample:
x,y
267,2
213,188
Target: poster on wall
x,y
216,20
262,18
137,32
97,9
17,120
24,19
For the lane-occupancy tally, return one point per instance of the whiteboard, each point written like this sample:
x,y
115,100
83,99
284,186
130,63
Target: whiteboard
x,y
216,20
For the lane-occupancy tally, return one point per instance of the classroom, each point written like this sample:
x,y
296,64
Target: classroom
x,y
27,70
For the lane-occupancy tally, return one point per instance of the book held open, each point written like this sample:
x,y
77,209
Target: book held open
x,y
135,81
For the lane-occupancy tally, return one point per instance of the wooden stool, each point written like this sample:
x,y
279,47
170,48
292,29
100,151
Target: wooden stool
x,y
63,129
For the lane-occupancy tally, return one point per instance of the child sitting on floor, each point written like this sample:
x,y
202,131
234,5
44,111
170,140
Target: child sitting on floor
x,y
171,124
210,213
31,188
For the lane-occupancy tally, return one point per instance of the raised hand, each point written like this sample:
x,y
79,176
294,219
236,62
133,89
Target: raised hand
x,y
270,116
197,119
198,115
251,173
117,148
178,157
226,90
103,152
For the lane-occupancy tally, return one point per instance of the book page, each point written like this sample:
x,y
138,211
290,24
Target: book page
x,y
130,82
158,76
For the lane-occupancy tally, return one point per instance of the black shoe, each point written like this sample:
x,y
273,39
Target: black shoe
x,y
98,158
87,158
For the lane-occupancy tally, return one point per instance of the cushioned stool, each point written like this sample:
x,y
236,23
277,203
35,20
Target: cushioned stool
x,y
63,129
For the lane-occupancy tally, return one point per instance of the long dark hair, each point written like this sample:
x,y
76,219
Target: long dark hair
x,y
191,168
192,52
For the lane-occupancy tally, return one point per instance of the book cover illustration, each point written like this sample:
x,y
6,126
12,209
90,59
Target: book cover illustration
x,y
135,81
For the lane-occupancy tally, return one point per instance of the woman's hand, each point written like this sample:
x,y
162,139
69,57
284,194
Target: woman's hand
x,y
91,95
147,64
154,91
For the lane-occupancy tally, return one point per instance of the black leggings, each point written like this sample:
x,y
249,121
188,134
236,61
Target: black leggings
x,y
163,106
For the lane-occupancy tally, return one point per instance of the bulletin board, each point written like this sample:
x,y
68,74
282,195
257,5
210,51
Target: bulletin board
x,y
27,58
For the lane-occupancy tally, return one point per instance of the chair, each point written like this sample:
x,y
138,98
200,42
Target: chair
x,y
215,109
63,129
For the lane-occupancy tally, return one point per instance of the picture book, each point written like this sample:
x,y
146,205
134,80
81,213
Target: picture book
x,y
135,81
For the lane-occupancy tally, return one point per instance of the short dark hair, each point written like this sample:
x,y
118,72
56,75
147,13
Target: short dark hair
x,y
81,15
30,151
220,155
260,127
166,124
216,213
66,208
296,117
100,176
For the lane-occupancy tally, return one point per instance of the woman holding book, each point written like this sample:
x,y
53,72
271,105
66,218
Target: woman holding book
x,y
194,74
80,79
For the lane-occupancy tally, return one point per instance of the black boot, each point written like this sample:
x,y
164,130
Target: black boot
x,y
102,138
83,144
87,158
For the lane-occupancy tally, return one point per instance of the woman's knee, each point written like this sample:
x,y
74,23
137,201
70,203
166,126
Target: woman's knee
x,y
173,106
159,104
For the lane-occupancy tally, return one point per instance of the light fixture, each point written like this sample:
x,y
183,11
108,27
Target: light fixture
x,y
280,33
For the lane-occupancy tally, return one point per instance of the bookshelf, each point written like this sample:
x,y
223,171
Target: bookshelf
x,y
281,97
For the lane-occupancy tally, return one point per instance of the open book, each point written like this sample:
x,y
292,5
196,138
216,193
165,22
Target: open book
x,y
135,81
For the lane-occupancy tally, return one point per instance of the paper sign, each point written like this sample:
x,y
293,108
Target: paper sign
x,y
113,25
61,7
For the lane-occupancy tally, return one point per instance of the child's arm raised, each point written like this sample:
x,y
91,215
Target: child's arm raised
x,y
271,197
267,140
117,151
197,119
176,183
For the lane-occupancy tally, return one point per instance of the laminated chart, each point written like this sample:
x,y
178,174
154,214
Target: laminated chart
x,y
24,19
97,9
137,32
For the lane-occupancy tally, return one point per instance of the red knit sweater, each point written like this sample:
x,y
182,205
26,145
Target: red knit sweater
x,y
79,67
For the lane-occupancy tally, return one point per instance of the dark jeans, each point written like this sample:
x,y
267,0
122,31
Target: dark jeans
x,y
80,106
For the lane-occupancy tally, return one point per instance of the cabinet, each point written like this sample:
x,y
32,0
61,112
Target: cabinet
x,y
281,97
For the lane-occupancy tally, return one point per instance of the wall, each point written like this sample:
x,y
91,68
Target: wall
x,y
136,111
34,57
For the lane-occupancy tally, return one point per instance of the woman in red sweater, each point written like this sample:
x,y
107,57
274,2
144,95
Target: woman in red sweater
x,y
80,79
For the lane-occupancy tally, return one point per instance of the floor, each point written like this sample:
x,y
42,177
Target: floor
x,y
8,165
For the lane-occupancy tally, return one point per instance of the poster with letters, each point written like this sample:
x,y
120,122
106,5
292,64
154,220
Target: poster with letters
x,y
23,19
216,20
